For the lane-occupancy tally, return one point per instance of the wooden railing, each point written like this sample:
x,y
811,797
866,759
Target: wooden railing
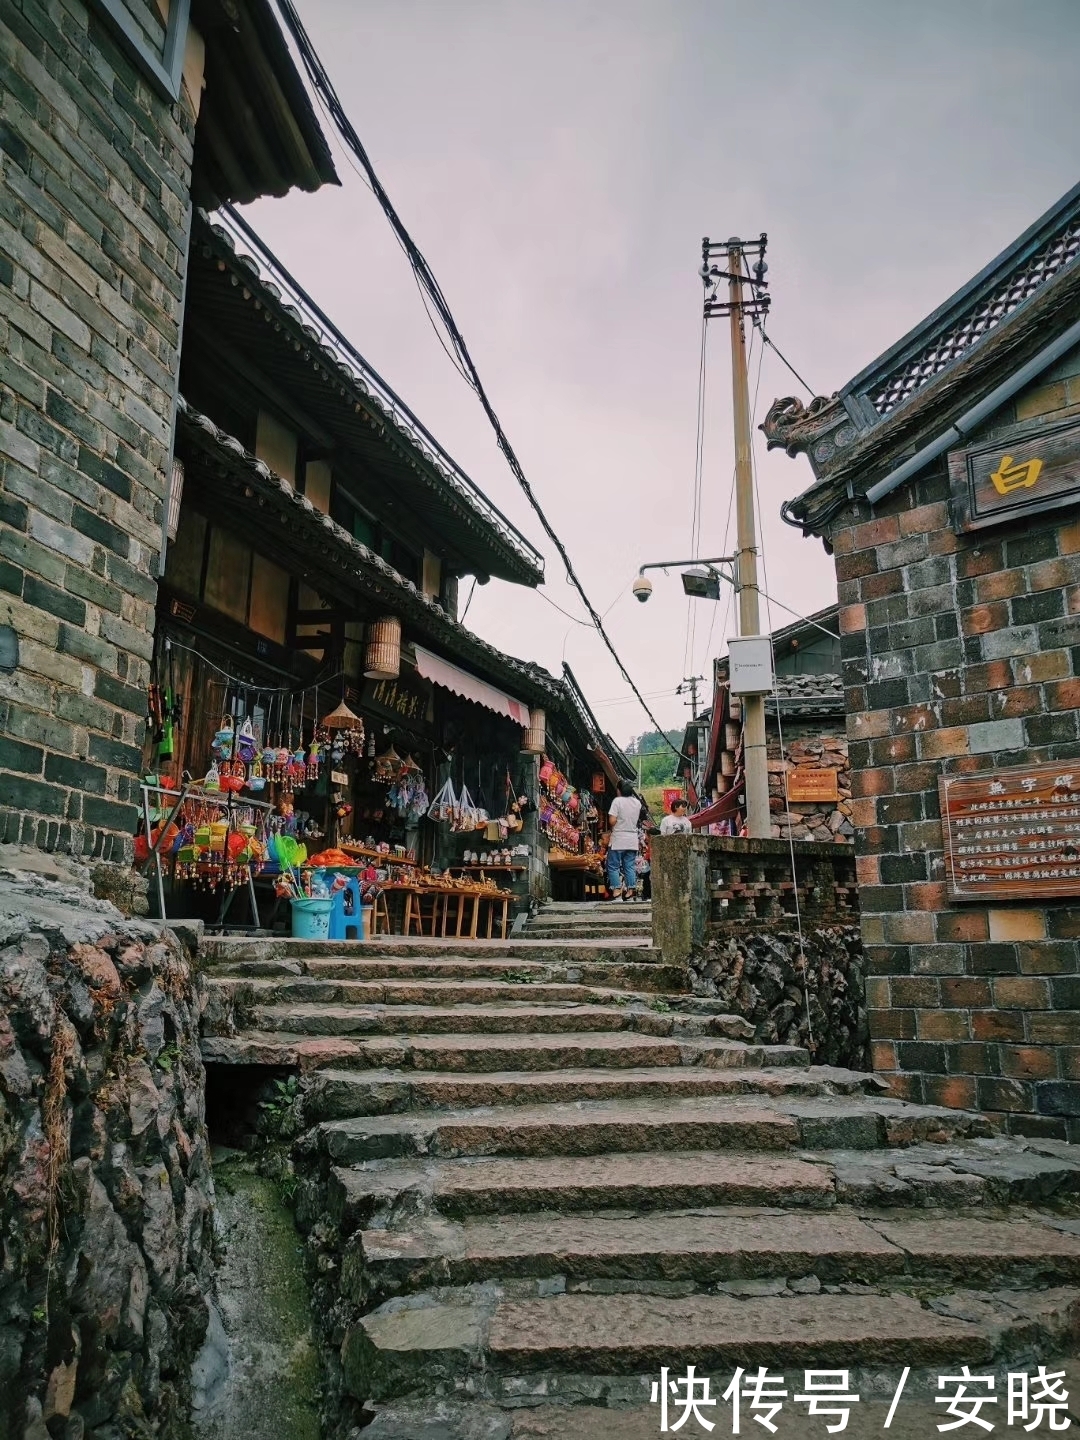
x,y
705,886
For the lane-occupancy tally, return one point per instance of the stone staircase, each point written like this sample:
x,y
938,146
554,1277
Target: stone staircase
x,y
535,1172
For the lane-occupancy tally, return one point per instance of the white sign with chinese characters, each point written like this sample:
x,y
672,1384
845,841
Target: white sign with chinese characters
x,y
1012,834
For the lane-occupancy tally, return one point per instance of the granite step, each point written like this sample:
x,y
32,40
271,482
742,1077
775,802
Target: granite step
x,y
705,1249
596,1127
649,977
331,990
462,1342
591,930
521,1016
485,1053
490,1185
588,1128
339,1094
230,949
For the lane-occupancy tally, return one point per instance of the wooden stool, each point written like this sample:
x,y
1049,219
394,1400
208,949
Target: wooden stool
x,y
380,916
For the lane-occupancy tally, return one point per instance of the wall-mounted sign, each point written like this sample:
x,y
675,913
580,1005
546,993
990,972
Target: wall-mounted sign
x,y
405,700
1012,834
1027,470
807,785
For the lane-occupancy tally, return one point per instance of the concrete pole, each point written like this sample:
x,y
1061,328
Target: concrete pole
x,y
758,820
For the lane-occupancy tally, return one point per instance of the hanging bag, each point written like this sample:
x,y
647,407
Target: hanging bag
x,y
444,806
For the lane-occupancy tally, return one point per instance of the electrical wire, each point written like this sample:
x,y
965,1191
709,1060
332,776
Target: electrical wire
x,y
760,325
468,602
322,84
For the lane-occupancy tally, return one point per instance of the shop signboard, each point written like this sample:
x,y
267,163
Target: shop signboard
x,y
404,701
1012,834
670,796
1024,471
806,784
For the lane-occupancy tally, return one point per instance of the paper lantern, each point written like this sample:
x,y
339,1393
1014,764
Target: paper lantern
x,y
536,734
382,656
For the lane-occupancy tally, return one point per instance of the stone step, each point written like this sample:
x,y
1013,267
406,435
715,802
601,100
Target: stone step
x,y
462,1342
482,1052
589,1128
493,1185
522,1018
970,1174
647,1125
229,949
706,1249
339,1094
326,990
612,974
597,1127
583,930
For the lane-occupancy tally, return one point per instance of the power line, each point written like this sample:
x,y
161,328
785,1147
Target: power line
x,y
323,86
769,341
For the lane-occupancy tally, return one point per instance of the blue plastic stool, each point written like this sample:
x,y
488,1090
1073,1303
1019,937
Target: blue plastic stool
x,y
342,918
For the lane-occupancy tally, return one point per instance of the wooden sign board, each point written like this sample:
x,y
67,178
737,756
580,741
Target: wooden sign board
x,y
807,785
1012,834
1026,470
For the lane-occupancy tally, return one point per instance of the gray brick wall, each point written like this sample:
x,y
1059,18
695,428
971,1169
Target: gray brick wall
x,y
961,654
94,181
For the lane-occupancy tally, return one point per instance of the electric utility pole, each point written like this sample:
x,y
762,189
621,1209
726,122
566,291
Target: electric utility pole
x,y
738,306
691,684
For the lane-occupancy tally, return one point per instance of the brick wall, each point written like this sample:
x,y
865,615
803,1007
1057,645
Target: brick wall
x,y
961,654
94,179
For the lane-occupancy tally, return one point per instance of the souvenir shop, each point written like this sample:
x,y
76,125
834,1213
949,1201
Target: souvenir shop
x,y
268,772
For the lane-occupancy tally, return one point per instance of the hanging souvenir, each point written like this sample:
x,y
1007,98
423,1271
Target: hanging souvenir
x,y
314,760
245,742
445,803
256,780
212,779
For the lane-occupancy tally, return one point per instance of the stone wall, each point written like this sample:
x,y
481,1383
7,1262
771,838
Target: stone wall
x,y
824,821
94,208
793,993
105,1188
962,654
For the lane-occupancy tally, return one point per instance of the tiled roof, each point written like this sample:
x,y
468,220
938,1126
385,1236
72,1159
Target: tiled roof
x,y
364,569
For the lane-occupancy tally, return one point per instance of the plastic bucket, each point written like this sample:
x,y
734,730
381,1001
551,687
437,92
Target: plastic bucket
x,y
311,919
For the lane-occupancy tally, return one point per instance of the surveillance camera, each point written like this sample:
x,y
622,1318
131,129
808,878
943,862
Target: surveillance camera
x,y
642,588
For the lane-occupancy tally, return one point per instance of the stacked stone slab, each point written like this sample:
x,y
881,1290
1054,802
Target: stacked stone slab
x,y
534,1172
94,176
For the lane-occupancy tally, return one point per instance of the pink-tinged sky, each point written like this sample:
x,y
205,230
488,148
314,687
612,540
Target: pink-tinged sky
x,y
559,163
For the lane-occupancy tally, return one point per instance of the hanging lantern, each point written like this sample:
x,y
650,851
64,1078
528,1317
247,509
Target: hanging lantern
x,y
536,735
382,655
341,719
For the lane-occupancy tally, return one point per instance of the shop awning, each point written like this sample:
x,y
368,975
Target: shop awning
x,y
451,677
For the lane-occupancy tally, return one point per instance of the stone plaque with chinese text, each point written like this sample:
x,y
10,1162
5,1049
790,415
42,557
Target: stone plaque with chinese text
x,y
1012,834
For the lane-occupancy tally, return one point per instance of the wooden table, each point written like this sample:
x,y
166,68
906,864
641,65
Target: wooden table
x,y
418,919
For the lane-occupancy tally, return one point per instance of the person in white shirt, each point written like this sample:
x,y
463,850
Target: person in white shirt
x,y
678,822
623,818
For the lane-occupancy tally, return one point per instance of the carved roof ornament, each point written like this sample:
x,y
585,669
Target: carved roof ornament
x,y
795,427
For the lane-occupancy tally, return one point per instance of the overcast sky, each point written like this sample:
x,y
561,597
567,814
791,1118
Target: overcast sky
x,y
559,163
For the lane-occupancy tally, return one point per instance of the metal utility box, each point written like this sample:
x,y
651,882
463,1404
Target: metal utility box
x,y
751,660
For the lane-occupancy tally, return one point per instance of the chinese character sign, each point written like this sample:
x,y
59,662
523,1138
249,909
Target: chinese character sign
x,y
971,1403
1012,834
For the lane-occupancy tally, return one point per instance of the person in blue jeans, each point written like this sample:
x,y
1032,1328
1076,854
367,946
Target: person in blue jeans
x,y
622,853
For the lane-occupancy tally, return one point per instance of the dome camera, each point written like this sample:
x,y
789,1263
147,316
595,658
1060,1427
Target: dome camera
x,y
642,588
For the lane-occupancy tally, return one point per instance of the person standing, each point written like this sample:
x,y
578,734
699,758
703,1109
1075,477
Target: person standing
x,y
678,822
623,820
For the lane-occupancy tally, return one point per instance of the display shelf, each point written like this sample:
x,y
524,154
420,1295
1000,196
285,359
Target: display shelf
x,y
515,868
376,855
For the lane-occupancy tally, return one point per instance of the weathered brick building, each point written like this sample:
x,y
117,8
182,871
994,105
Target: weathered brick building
x,y
947,487
113,123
